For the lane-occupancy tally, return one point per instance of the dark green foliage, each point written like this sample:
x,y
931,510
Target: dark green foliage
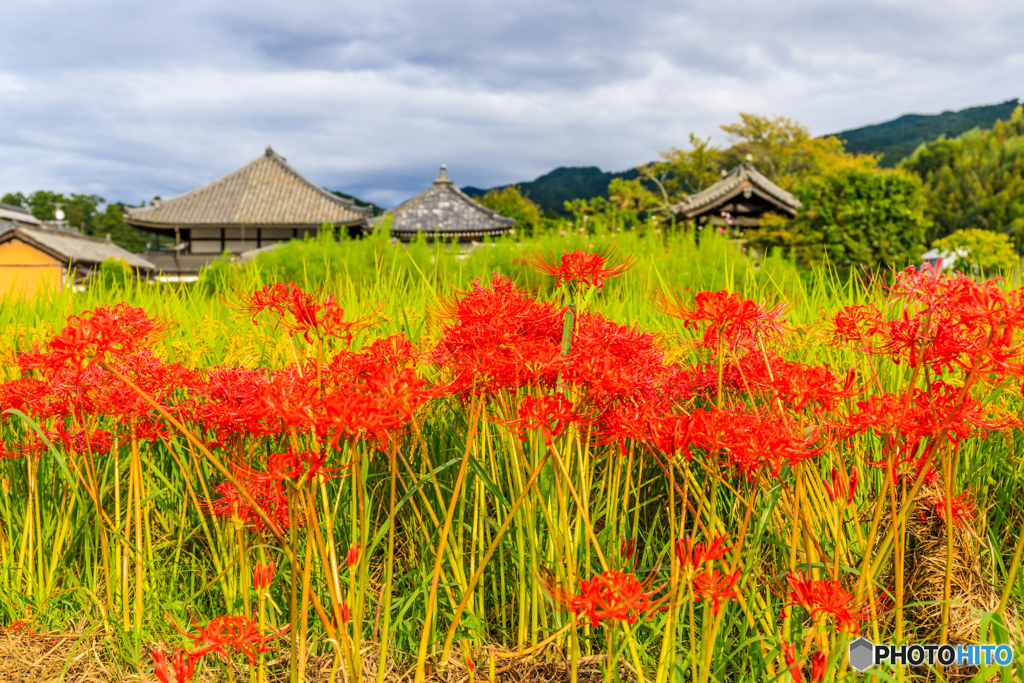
x,y
898,139
509,201
975,180
83,212
859,216
374,209
551,191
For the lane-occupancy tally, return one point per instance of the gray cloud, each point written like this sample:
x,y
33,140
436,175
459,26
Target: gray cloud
x,y
135,99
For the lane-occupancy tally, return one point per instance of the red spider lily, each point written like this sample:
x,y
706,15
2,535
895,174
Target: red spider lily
x,y
301,311
19,626
590,269
716,587
184,666
947,322
498,338
232,504
238,633
296,467
752,441
919,414
377,408
692,556
611,595
842,489
908,461
262,576
353,555
824,598
345,613
115,331
962,506
796,385
795,671
550,414
729,316
819,662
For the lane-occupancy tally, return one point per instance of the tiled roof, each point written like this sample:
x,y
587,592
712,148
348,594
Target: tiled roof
x,y
69,245
744,179
443,208
265,192
16,216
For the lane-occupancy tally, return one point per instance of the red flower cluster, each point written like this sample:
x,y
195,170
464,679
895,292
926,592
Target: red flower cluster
x,y
948,323
591,269
116,331
716,587
728,318
751,441
301,311
825,598
550,414
611,595
222,636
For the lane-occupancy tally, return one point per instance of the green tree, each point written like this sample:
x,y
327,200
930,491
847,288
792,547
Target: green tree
x,y
987,250
785,151
509,201
853,216
975,180
15,199
681,172
87,213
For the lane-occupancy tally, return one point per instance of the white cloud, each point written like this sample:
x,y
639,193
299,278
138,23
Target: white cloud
x,y
130,100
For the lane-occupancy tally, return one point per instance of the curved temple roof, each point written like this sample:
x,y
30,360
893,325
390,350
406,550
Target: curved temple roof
x,y
745,181
264,192
445,209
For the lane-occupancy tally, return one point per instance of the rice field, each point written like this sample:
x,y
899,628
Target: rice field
x,y
606,455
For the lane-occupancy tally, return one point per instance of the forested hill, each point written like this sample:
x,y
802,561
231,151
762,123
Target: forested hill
x,y
552,190
899,138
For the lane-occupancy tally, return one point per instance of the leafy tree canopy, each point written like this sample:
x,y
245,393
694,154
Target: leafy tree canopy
x,y
853,216
87,213
986,250
510,201
975,180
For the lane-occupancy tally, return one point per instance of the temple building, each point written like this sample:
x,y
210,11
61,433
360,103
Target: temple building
x,y
740,198
35,256
263,203
443,211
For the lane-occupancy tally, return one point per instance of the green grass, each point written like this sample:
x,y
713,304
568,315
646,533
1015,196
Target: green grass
x,y
122,537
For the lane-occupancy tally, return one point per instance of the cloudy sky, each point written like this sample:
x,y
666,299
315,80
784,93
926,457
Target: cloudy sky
x,y
132,98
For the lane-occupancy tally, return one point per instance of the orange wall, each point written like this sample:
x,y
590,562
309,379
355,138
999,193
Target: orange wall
x,y
24,269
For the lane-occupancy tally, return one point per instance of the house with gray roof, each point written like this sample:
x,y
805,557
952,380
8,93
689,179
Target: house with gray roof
x,y
262,203
443,211
744,194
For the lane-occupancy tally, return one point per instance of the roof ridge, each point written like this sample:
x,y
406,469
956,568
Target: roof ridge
x,y
274,156
448,187
327,194
73,234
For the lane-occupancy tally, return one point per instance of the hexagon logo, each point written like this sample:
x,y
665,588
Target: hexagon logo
x,y
862,654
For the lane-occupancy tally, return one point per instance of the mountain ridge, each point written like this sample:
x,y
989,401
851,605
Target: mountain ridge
x,y
894,140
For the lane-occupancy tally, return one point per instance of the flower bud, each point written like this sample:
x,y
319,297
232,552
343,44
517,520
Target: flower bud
x,y
353,556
